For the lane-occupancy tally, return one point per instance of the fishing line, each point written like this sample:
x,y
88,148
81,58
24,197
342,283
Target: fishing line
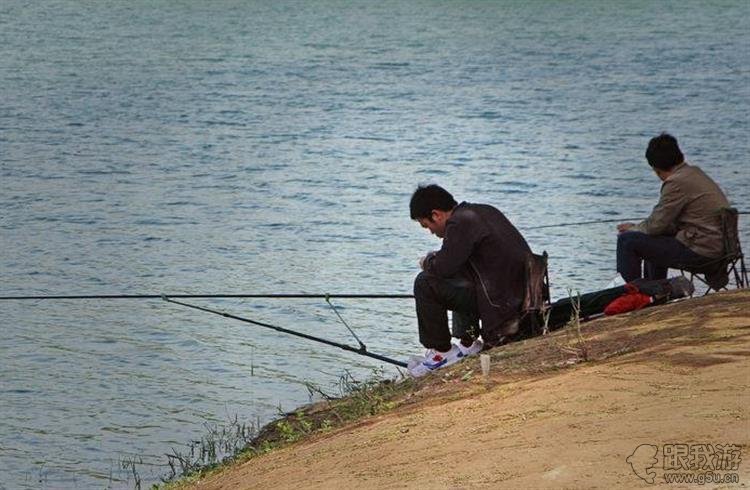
x,y
361,350
361,344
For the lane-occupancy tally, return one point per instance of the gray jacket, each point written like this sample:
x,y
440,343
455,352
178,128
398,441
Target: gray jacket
x,y
480,242
688,209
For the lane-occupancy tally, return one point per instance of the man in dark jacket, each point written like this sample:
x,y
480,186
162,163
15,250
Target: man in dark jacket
x,y
479,272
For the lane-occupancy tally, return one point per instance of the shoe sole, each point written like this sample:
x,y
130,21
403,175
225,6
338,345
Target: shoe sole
x,y
415,371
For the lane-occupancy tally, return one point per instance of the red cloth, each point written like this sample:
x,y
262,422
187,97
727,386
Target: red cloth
x,y
630,301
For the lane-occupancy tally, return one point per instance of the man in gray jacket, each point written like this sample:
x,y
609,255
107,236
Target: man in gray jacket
x,y
684,229
478,273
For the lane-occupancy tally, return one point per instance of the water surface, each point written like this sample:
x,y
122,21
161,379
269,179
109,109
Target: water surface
x,y
263,147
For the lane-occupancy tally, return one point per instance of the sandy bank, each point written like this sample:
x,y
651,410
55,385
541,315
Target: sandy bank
x,y
557,412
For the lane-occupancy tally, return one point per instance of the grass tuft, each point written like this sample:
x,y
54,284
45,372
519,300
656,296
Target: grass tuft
x,y
235,442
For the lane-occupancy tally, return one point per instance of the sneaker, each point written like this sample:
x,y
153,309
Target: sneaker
x,y
474,348
433,360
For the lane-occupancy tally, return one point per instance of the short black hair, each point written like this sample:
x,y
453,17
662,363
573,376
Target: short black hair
x,y
429,197
663,153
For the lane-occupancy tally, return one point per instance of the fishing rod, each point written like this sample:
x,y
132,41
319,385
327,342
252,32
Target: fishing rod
x,y
361,350
598,221
579,223
212,296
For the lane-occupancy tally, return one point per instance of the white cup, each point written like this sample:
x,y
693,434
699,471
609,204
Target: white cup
x,y
484,360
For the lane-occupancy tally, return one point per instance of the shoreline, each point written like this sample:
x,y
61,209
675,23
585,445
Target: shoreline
x,y
609,368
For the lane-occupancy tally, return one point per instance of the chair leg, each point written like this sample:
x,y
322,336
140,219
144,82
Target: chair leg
x,y
740,273
737,278
693,277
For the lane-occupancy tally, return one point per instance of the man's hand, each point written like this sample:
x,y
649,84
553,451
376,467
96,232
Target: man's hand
x,y
623,227
423,259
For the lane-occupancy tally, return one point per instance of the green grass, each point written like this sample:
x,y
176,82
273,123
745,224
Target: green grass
x,y
238,442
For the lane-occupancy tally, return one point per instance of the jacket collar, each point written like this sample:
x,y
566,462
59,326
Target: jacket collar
x,y
679,168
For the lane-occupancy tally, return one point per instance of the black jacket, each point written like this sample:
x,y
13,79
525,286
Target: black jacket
x,y
481,242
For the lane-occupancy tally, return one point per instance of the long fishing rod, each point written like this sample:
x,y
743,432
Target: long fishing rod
x,y
213,296
579,223
598,221
361,350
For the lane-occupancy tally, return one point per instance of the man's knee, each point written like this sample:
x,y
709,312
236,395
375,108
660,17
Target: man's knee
x,y
421,284
628,239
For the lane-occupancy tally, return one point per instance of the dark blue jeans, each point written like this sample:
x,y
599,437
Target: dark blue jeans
x,y
657,253
434,297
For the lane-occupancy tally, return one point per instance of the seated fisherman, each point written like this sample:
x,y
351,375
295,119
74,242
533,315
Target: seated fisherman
x,y
478,273
684,229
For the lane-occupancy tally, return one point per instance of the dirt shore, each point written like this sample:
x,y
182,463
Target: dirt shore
x,y
560,411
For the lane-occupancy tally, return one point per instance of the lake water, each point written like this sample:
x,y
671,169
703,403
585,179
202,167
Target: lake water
x,y
272,147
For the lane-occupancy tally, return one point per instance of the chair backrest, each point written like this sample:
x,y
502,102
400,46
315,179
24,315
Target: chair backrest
x,y
730,231
536,296
716,274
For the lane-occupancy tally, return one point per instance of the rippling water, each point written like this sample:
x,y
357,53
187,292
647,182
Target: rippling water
x,y
264,147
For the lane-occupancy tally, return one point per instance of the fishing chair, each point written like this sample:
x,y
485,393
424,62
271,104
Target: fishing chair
x,y
536,299
715,274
